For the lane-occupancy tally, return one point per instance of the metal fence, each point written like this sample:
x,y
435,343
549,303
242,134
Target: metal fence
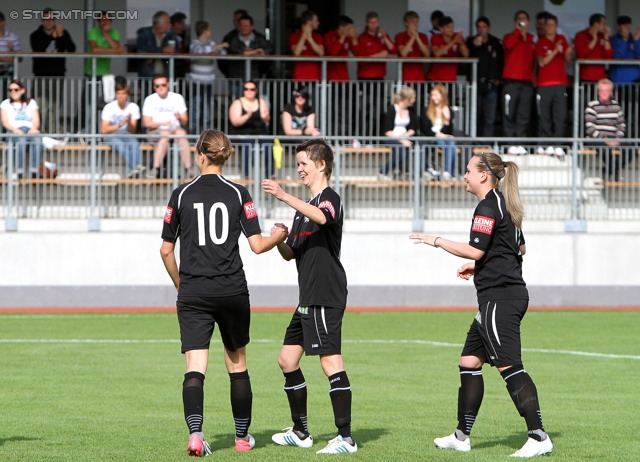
x,y
92,180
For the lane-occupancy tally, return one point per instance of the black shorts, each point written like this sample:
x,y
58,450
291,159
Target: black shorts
x,y
318,329
198,316
495,332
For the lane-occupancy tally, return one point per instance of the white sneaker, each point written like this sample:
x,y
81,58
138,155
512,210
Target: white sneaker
x,y
559,152
534,448
383,177
521,151
541,151
451,442
551,151
339,446
513,150
289,437
446,176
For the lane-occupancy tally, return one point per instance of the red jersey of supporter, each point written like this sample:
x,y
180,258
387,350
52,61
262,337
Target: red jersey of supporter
x,y
370,45
555,72
412,72
591,72
518,56
444,72
306,70
336,71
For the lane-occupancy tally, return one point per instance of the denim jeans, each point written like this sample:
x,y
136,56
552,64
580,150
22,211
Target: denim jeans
x,y
449,149
20,146
202,107
128,148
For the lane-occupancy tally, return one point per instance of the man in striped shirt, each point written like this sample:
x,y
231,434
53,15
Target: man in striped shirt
x,y
604,119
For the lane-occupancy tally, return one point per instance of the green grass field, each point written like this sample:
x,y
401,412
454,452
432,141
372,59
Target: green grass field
x,y
107,387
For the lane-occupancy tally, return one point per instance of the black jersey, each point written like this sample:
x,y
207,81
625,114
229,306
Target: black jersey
x,y
321,277
498,274
208,215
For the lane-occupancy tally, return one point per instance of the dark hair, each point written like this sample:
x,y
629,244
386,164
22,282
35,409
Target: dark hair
x,y
47,10
344,20
542,15
307,16
436,14
24,98
594,18
159,17
240,11
445,20
215,145
1,16
515,16
483,19
410,15
246,16
552,17
318,150
201,26
178,17
122,85
305,94
624,20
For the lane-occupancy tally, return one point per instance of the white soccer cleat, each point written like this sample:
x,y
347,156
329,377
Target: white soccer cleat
x,y
338,445
534,448
289,437
451,442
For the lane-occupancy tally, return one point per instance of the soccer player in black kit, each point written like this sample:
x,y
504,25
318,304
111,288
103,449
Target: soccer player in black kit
x,y
497,245
208,214
315,328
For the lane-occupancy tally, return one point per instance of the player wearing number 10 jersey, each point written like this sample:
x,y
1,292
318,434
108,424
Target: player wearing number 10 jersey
x,y
208,215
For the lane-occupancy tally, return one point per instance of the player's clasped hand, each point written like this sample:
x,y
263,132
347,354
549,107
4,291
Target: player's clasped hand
x,y
280,228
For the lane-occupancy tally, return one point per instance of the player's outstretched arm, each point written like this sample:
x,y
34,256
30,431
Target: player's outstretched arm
x,y
459,249
260,244
169,260
312,212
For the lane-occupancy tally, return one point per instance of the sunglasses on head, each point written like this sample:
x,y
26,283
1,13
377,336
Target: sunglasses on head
x,y
249,88
156,85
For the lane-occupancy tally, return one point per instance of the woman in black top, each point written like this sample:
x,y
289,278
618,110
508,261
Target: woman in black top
x,y
249,115
399,124
316,326
208,215
496,245
299,118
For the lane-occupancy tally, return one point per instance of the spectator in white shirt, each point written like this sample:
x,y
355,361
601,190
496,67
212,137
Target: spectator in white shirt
x,y
165,113
120,117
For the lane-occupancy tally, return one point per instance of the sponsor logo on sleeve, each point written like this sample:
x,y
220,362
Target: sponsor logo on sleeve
x,y
483,224
250,210
168,214
329,207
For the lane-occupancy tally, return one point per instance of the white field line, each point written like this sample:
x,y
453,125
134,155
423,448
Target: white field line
x,y
360,342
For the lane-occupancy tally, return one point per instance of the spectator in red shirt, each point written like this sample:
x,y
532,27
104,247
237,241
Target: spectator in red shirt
x,y
447,44
374,42
593,43
412,44
517,76
306,42
552,51
339,42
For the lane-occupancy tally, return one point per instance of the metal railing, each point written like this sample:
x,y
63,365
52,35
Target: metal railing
x,y
92,179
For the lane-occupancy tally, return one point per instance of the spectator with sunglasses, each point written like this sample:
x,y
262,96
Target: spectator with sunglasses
x,y
20,115
249,115
165,113
298,117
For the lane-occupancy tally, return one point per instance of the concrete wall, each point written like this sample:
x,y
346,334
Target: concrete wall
x,y
60,264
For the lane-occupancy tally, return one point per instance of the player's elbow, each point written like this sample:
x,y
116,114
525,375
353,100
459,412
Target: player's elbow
x,y
476,254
